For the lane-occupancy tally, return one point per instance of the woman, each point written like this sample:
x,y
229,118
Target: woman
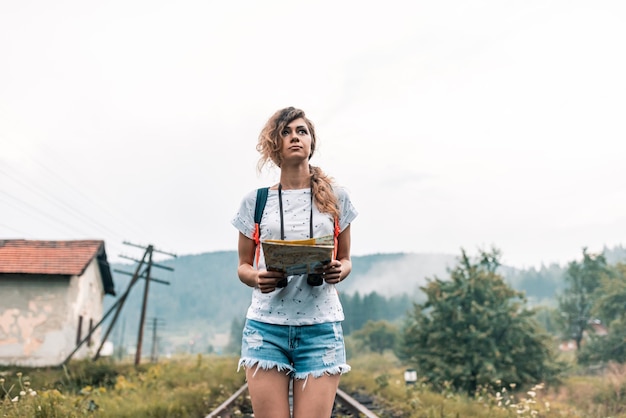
x,y
293,328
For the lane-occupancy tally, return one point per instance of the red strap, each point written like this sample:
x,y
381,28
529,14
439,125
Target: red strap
x,y
256,237
336,235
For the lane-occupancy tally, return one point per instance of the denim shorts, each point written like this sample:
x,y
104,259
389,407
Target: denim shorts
x,y
300,351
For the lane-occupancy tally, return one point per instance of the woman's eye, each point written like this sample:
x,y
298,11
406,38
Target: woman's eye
x,y
302,131
285,133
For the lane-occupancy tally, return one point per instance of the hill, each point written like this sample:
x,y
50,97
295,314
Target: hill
x,y
205,295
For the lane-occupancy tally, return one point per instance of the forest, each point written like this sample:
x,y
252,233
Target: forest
x,y
204,303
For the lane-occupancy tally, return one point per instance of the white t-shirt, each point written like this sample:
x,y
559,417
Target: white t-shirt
x,y
298,303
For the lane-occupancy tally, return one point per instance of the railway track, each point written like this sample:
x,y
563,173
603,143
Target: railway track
x,y
345,406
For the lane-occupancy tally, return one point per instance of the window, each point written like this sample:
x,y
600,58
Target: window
x,y
90,341
79,332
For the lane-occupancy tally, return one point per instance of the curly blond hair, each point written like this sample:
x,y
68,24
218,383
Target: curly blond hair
x,y
270,145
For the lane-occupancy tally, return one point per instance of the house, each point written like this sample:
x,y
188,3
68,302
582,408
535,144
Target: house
x,y
51,296
596,328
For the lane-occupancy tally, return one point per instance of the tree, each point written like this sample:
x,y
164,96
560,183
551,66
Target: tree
x,y
609,308
576,302
377,336
473,330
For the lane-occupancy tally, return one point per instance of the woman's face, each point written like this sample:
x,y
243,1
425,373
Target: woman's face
x,y
296,140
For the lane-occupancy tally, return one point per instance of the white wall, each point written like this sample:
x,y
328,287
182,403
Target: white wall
x,y
39,316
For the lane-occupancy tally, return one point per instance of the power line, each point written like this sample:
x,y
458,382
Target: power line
x,y
62,205
71,206
83,195
46,216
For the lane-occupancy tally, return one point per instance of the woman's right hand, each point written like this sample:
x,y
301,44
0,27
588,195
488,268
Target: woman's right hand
x,y
267,281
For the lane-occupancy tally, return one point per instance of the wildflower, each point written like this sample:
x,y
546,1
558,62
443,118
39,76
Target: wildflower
x,y
17,398
532,393
22,393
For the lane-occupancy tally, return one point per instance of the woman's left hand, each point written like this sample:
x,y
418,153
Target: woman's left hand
x,y
332,272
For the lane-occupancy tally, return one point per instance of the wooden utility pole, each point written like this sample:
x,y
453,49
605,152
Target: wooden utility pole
x,y
154,354
149,251
144,305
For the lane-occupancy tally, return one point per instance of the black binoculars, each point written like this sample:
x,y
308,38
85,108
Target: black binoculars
x,y
313,279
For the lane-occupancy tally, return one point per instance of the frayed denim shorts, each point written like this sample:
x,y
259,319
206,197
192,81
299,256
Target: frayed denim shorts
x,y
300,351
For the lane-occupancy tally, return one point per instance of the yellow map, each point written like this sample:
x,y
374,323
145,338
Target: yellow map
x,y
299,256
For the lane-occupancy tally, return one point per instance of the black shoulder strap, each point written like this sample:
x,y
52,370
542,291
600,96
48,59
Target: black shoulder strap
x,y
261,199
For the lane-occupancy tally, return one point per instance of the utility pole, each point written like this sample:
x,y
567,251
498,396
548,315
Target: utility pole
x,y
144,304
154,355
120,349
149,251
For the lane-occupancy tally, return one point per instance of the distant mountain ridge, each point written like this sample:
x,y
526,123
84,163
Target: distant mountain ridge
x,y
205,294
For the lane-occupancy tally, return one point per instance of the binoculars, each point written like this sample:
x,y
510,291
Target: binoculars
x,y
313,279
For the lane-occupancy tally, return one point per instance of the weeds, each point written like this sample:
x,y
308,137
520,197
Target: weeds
x,y
192,387
177,388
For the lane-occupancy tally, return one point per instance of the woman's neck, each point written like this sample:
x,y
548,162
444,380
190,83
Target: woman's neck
x,y
295,179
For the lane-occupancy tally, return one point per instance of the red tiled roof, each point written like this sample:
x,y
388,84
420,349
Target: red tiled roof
x,y
47,257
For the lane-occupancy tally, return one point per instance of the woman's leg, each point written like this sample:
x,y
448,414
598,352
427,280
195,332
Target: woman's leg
x,y
314,397
269,392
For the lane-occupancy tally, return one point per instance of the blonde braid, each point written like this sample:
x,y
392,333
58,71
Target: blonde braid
x,y
322,186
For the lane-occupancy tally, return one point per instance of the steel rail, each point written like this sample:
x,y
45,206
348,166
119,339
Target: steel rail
x,y
341,397
353,405
225,406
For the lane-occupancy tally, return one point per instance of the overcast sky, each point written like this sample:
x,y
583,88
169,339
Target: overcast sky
x,y
453,124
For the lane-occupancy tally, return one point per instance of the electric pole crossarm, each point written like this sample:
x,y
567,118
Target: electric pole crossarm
x,y
153,263
143,276
153,249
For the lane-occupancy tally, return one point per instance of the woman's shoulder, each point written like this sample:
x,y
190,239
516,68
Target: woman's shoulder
x,y
341,192
252,193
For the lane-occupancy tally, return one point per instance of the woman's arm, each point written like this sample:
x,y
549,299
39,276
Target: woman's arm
x,y
265,280
341,266
246,271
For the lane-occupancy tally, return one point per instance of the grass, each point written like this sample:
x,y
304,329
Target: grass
x,y
589,396
186,387
193,386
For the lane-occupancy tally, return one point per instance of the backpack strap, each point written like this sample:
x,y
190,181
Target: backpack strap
x,y
336,236
261,199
